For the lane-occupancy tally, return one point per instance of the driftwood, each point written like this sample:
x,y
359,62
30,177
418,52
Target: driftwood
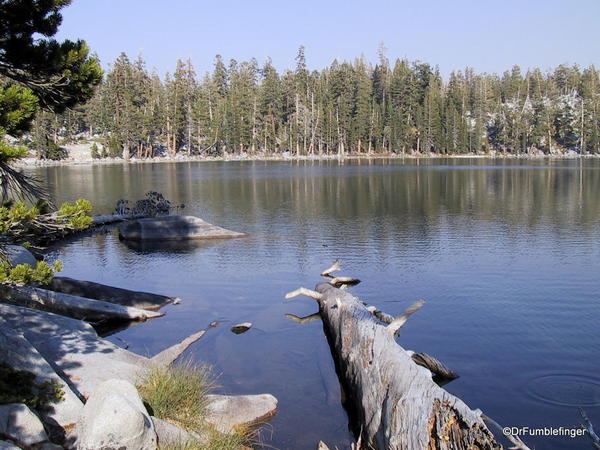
x,y
71,305
395,401
589,428
119,296
108,219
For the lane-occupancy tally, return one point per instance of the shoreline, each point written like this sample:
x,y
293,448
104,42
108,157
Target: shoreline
x,y
34,162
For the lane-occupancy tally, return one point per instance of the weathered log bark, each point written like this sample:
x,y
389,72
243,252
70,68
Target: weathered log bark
x,y
71,305
119,296
114,218
397,404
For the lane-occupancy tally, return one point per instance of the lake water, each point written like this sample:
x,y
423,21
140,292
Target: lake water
x,y
505,252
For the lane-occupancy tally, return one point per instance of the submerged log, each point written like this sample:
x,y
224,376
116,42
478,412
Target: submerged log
x,y
396,402
120,296
71,305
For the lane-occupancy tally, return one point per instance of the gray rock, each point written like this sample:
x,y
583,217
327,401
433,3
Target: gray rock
x,y
20,354
225,412
170,435
241,327
5,445
114,417
173,228
73,349
18,254
21,425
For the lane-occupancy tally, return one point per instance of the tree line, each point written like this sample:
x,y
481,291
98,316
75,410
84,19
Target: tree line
x,y
346,108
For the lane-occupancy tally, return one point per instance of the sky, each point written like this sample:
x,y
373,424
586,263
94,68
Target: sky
x,y
489,36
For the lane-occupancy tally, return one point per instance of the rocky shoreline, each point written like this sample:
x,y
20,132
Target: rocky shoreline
x,y
34,162
44,333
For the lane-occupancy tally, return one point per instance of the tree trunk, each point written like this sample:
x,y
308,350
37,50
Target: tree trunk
x,y
396,402
71,305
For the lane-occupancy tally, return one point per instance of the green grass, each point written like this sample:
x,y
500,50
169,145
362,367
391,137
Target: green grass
x,y
178,395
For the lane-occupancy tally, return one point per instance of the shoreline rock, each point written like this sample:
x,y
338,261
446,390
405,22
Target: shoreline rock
x,y
115,417
34,162
173,228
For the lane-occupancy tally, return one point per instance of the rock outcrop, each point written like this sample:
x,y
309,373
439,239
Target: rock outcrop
x,y
226,412
20,425
114,417
173,228
18,254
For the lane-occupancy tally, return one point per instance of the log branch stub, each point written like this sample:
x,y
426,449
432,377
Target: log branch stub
x,y
587,425
399,322
434,365
298,319
337,265
515,440
341,281
303,291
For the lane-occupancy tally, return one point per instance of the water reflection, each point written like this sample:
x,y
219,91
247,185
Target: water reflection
x,y
506,253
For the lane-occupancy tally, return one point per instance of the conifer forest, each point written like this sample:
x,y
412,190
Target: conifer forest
x,y
392,107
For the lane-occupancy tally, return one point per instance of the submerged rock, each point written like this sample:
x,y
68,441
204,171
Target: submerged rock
x,y
18,254
226,412
241,327
114,417
173,228
18,423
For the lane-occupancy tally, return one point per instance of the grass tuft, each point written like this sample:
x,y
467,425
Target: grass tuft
x,y
178,394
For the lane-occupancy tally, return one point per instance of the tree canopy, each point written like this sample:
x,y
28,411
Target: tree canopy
x,y
37,71
349,107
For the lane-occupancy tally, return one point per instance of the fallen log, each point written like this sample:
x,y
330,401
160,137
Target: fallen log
x,y
108,219
395,401
119,296
71,305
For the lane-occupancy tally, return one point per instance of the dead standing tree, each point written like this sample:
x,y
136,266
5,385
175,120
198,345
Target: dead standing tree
x,y
397,403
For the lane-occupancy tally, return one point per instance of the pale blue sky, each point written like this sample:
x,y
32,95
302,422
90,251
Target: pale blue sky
x,y
489,36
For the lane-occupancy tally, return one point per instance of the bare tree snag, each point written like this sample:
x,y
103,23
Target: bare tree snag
x,y
396,402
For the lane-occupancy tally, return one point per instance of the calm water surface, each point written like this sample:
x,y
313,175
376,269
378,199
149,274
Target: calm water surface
x,y
506,253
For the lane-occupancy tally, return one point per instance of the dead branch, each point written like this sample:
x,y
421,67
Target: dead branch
x,y
516,440
341,281
590,429
399,322
434,365
303,291
305,319
334,268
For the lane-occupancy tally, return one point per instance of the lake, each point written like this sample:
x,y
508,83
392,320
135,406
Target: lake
x,y
505,252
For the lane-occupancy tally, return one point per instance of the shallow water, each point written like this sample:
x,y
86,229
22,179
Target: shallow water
x,y
506,253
